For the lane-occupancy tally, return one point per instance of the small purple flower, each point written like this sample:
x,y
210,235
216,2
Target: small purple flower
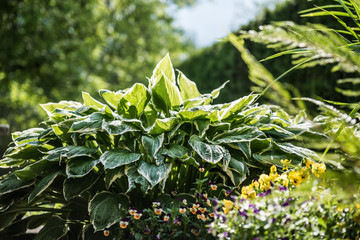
x,y
243,214
273,220
226,234
285,204
147,230
272,183
233,198
256,210
287,220
256,239
157,236
227,192
214,202
197,195
281,188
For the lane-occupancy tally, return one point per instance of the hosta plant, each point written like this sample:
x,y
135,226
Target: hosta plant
x,y
89,162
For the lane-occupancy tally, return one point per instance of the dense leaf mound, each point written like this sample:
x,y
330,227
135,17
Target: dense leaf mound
x,y
93,160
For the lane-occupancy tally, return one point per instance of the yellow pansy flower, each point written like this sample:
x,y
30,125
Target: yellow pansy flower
x,y
295,178
285,163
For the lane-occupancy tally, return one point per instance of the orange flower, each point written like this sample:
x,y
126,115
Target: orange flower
x,y
106,232
202,209
182,209
211,214
158,210
193,210
132,211
138,215
124,223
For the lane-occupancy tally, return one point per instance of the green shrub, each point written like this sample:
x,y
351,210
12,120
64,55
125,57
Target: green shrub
x,y
91,161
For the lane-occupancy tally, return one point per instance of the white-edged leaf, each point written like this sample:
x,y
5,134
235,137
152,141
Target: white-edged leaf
x,y
114,158
154,174
209,152
106,208
188,89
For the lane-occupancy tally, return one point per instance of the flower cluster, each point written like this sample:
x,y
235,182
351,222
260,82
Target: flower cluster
x,y
280,216
263,185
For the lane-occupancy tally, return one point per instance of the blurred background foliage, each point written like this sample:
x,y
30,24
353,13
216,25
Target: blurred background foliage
x,y
52,50
222,61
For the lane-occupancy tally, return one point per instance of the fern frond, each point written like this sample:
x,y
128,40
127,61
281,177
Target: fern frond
x,y
323,45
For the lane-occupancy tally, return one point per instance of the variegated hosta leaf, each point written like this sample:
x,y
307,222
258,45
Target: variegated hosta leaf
x,y
73,187
43,184
154,174
209,152
111,98
55,228
165,94
175,151
113,174
118,157
78,167
118,127
11,183
69,152
106,208
237,105
188,88
152,144
133,102
135,178
90,123
33,170
242,134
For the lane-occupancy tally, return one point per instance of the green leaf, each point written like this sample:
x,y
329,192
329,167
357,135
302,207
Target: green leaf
x,y
33,170
215,93
106,208
235,177
237,105
90,123
69,152
275,130
69,105
91,102
135,178
73,187
208,152
79,167
239,166
54,229
244,147
133,102
242,134
165,94
118,127
11,183
29,152
202,126
175,151
164,67
111,98
113,174
44,184
295,150
154,174
118,157
152,144
162,125
192,114
188,88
